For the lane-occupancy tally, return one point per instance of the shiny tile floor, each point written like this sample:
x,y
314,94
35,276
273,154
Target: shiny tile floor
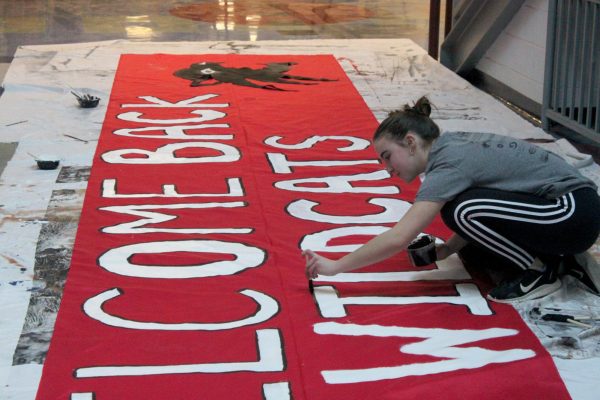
x,y
30,22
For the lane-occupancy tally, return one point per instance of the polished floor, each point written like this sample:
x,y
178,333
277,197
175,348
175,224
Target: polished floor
x,y
29,22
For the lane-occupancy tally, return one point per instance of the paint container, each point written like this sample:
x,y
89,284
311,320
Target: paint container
x,y
421,251
47,162
86,100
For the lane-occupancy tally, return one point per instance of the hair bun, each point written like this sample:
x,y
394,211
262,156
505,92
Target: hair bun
x,y
421,107
409,119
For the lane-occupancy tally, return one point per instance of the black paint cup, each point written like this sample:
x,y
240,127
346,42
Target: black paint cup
x,y
47,162
421,251
88,101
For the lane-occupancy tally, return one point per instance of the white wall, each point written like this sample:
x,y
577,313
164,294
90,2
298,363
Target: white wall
x,y
518,55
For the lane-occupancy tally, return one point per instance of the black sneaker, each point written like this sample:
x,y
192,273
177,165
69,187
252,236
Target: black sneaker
x,y
585,269
532,284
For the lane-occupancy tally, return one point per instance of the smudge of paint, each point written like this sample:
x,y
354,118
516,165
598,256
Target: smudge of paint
x,y
70,174
215,73
12,261
52,261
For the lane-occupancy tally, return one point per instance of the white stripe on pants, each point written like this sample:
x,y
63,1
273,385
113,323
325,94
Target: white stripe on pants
x,y
467,214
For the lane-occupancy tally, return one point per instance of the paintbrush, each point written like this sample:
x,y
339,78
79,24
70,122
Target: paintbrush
x,y
311,287
565,318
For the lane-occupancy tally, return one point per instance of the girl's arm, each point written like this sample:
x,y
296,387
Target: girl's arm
x,y
383,246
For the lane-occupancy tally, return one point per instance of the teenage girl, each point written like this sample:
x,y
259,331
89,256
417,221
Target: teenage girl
x,y
507,195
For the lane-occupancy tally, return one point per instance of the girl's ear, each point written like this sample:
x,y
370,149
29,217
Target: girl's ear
x,y
411,141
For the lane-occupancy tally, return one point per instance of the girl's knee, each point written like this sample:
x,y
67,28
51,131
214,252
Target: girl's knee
x,y
447,214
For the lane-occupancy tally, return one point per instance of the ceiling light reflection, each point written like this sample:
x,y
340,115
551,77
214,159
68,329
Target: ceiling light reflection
x,y
137,18
137,32
136,27
253,22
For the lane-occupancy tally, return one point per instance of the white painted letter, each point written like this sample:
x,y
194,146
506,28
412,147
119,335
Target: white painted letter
x,y
438,343
205,115
177,132
109,190
117,260
339,184
194,102
318,241
333,306
277,391
166,154
394,211
150,217
82,396
281,165
357,143
93,308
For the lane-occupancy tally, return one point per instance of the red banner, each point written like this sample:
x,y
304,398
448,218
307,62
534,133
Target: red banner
x,y
211,174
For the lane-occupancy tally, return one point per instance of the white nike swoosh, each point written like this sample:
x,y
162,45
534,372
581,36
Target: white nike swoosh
x,y
527,288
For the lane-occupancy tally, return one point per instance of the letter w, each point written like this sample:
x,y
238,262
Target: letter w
x,y
438,343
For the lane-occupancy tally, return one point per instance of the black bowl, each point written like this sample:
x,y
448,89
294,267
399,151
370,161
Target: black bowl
x,y
47,164
88,102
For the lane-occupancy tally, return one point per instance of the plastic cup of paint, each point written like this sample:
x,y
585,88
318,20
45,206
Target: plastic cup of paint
x,y
88,101
47,162
421,251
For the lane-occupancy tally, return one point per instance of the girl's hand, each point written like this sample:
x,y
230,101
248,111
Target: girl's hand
x,y
318,265
443,251
454,244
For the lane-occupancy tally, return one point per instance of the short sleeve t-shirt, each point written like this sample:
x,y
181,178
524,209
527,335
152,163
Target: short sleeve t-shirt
x,y
462,160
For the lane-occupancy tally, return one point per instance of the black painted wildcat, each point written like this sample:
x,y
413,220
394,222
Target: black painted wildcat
x,y
201,73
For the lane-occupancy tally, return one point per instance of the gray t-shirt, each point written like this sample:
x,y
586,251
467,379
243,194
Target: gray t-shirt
x,y
462,160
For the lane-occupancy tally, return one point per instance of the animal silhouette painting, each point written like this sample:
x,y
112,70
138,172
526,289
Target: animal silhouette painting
x,y
213,73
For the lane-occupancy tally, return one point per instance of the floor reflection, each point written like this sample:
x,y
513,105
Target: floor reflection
x,y
70,21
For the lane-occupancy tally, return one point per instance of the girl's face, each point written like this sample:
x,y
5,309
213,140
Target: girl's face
x,y
405,159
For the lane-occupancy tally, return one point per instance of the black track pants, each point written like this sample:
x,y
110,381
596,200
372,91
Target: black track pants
x,y
520,227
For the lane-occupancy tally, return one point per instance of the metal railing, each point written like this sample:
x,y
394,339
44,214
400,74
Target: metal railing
x,y
572,76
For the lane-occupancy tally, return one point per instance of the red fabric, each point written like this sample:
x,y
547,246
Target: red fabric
x,y
301,111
